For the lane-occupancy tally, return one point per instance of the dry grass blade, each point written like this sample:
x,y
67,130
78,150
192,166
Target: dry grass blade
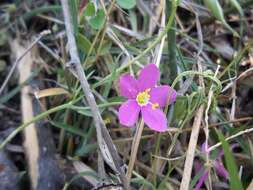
x,y
83,168
31,143
191,149
134,149
43,167
50,92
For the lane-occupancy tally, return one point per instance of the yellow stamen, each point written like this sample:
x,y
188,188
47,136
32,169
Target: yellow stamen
x,y
155,105
143,97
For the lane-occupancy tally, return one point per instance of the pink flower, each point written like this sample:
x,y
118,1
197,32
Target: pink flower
x,y
145,97
216,164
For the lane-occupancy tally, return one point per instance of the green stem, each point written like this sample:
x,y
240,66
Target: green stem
x,y
171,39
35,119
104,105
204,74
62,132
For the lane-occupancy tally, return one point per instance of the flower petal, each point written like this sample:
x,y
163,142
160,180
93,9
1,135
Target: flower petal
x,y
154,118
220,169
128,86
148,77
204,148
160,95
128,113
201,180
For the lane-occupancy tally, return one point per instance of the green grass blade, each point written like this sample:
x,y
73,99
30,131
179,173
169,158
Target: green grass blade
x,y
235,182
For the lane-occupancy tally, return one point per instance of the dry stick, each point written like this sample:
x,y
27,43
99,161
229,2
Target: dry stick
x,y
134,149
46,32
191,149
104,140
196,124
31,141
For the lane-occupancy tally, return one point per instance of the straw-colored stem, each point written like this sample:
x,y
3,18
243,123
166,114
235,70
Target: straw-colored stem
x,y
134,150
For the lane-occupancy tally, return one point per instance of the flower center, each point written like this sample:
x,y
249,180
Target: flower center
x,y
143,97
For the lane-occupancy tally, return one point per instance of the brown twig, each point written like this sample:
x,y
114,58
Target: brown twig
x,y
104,139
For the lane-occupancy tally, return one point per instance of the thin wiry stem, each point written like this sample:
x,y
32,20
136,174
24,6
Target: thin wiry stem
x,y
104,139
36,118
231,137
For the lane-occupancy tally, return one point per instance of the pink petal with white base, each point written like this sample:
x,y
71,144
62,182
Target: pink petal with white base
x,y
148,77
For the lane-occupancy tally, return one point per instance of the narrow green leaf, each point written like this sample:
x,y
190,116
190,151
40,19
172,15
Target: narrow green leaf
x,y
126,4
237,6
70,129
86,110
216,9
235,182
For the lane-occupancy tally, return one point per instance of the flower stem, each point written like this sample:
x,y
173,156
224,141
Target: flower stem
x,y
134,149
